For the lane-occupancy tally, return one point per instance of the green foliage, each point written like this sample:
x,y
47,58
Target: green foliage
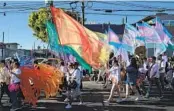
x,y
37,21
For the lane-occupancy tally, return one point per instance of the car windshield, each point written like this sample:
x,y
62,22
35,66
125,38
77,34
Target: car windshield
x,y
39,60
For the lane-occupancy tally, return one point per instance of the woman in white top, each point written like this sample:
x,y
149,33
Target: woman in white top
x,y
115,78
15,85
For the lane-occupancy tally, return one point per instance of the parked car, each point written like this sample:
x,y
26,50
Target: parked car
x,y
51,61
40,60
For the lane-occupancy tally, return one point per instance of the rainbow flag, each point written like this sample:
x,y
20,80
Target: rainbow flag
x,y
72,33
57,48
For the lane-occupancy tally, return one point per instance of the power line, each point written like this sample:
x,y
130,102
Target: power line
x,y
129,4
129,10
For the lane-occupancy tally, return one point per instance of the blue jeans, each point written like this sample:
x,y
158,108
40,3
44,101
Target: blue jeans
x,y
13,96
16,97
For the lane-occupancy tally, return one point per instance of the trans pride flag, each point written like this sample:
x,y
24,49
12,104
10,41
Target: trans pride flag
x,y
113,39
163,32
129,38
151,38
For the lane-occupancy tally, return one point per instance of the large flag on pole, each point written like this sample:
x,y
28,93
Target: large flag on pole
x,y
133,35
113,39
57,48
129,39
163,32
71,32
151,38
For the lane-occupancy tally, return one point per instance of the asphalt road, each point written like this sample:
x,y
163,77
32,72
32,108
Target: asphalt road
x,y
93,97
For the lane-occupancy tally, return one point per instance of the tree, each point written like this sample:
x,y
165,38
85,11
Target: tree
x,y
37,21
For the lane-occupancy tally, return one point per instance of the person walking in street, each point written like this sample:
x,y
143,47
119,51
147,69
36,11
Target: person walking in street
x,y
74,85
154,77
132,74
115,78
4,80
14,86
162,65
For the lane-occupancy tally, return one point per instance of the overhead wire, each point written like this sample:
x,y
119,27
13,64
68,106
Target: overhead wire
x,y
34,7
128,4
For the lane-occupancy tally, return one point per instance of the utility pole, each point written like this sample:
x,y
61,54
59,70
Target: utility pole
x,y
3,45
83,12
126,19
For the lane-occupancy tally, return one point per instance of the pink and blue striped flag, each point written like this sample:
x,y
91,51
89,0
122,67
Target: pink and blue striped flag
x,y
151,38
163,32
130,41
113,39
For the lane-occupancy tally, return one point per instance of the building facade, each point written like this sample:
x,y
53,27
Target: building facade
x,y
10,49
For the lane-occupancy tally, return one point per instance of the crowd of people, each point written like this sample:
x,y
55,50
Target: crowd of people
x,y
134,78
137,77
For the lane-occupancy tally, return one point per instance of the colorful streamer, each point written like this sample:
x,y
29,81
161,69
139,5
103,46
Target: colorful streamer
x,y
45,79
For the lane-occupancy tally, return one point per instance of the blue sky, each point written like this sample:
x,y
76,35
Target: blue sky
x,y
15,23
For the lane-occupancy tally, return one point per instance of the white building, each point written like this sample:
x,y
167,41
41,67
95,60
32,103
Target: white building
x,y
8,49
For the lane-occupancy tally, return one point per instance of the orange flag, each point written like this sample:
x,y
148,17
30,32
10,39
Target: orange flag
x,y
72,32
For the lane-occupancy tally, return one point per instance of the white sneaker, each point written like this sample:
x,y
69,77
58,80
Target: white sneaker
x,y
106,102
66,100
118,100
80,103
139,98
68,106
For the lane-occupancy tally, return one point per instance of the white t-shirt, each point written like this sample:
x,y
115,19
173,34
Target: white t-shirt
x,y
69,76
77,76
145,66
115,72
143,69
14,79
63,69
165,58
162,65
154,71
